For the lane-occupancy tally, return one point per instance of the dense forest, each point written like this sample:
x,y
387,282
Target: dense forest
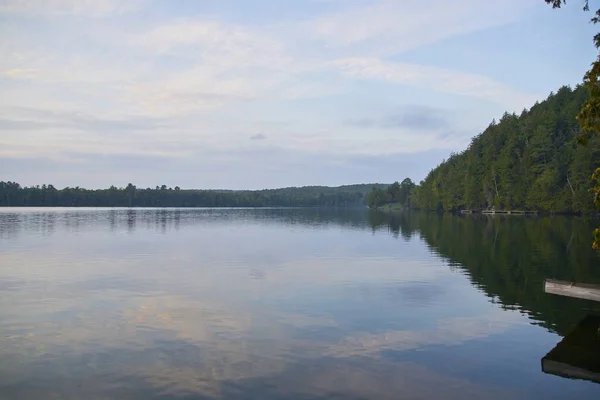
x,y
13,194
530,162
396,193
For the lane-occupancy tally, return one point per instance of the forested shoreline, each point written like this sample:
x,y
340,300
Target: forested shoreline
x,y
531,162
13,194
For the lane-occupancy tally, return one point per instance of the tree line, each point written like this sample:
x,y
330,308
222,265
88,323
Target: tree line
x,y
531,161
13,194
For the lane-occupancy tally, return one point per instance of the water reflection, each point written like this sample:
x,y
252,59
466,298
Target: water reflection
x,y
278,304
509,258
43,219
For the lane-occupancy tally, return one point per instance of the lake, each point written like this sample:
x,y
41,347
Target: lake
x,y
286,304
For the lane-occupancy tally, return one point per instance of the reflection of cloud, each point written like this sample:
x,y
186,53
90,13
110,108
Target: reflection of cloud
x,y
230,330
176,318
211,364
367,270
179,345
451,331
374,379
192,320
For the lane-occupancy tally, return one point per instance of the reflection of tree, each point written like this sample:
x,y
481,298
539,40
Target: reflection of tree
x,y
396,222
509,258
164,220
130,220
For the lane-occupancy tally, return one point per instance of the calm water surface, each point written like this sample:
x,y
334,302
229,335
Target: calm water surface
x,y
285,304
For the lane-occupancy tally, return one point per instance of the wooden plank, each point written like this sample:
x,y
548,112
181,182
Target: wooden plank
x,y
572,289
509,212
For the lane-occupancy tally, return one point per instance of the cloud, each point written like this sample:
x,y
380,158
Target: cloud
x,y
433,78
208,168
410,117
213,40
90,8
25,118
258,136
227,63
200,84
18,73
391,27
421,118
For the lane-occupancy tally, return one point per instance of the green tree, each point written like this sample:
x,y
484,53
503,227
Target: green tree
x,y
12,194
404,191
394,192
377,197
589,116
130,189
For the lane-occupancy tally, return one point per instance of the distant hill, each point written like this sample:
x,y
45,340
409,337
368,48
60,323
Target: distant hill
x,y
13,194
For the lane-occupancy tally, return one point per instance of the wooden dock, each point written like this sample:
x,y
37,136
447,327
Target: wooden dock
x,y
501,212
572,289
509,212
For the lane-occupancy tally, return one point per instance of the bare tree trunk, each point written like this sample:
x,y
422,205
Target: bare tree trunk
x,y
570,241
573,191
570,186
495,183
495,238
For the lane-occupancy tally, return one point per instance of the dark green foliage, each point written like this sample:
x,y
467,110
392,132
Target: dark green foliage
x,y
378,197
396,193
12,194
560,3
528,162
406,187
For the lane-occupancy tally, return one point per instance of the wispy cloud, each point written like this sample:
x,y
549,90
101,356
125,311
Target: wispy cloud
x,y
391,27
204,80
23,118
433,78
89,8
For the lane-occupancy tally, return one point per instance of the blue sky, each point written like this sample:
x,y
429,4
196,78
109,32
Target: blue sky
x,y
267,93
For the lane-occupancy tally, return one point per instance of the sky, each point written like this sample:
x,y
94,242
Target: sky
x,y
252,94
